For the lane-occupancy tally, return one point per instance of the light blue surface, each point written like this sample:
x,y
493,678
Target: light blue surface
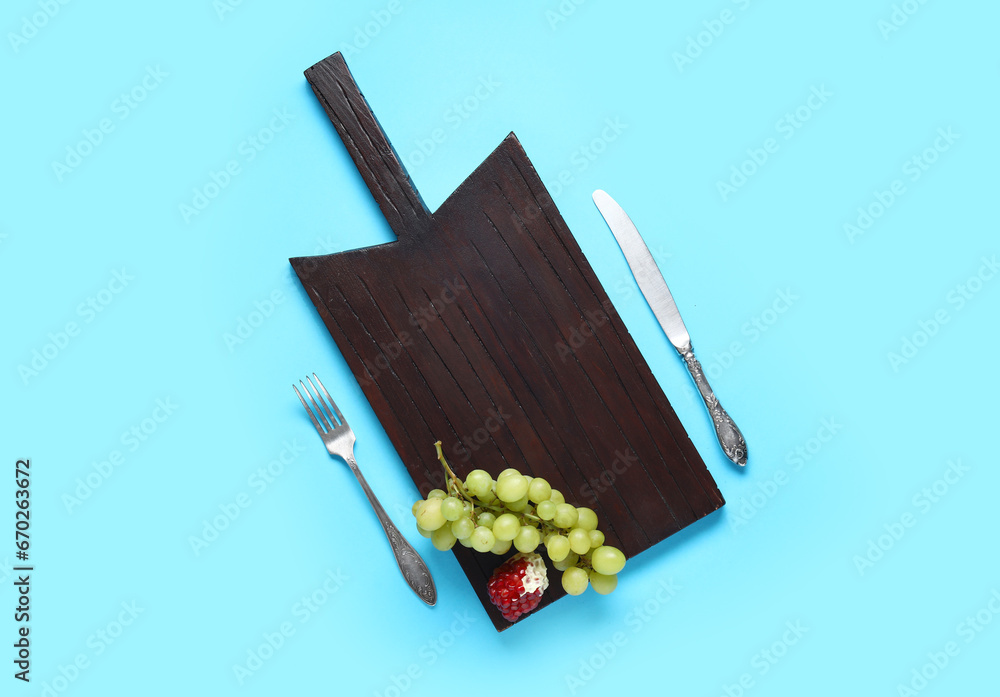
x,y
694,615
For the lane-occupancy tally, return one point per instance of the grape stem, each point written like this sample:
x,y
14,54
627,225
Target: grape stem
x,y
454,482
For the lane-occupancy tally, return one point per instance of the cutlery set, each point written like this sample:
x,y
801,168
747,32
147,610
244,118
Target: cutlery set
x,y
432,366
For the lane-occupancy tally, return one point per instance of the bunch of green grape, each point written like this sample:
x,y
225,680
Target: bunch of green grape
x,y
524,512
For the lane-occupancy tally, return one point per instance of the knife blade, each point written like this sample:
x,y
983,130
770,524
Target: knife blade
x,y
654,289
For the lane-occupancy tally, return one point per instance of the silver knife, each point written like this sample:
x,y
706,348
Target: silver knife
x,y
654,288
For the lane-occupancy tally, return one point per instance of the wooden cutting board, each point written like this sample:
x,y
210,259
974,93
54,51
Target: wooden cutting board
x,y
483,326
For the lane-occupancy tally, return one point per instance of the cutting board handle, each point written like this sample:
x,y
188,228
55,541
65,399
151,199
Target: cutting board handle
x,y
376,160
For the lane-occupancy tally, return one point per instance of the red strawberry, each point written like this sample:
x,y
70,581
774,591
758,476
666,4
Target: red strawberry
x,y
516,587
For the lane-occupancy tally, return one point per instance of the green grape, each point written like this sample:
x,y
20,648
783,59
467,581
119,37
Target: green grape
x,y
539,490
467,507
579,540
416,506
451,508
506,473
425,533
482,539
506,526
489,497
429,516
478,482
436,494
603,583
501,547
519,505
596,538
462,528
557,497
511,488
607,560
546,510
586,519
574,580
566,515
527,539
557,547
466,542
443,539
569,561
486,519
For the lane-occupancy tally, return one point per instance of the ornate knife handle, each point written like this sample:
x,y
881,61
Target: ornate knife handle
x,y
729,435
415,571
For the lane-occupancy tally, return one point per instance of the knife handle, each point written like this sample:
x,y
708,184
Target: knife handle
x,y
730,438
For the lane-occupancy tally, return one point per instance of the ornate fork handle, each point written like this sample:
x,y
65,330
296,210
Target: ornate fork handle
x,y
730,438
415,571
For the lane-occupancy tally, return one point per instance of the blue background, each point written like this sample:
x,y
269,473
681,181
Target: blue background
x,y
843,438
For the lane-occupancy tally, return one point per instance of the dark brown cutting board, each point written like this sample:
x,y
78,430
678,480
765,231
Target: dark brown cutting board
x,y
483,326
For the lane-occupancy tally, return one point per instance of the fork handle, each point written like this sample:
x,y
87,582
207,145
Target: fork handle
x,y
415,571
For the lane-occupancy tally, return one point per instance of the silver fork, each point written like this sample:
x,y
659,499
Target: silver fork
x,y
339,440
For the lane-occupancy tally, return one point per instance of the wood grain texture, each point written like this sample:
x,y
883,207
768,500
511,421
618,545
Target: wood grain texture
x,y
483,326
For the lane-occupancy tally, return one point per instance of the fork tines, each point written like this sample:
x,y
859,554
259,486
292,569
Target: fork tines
x,y
326,422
